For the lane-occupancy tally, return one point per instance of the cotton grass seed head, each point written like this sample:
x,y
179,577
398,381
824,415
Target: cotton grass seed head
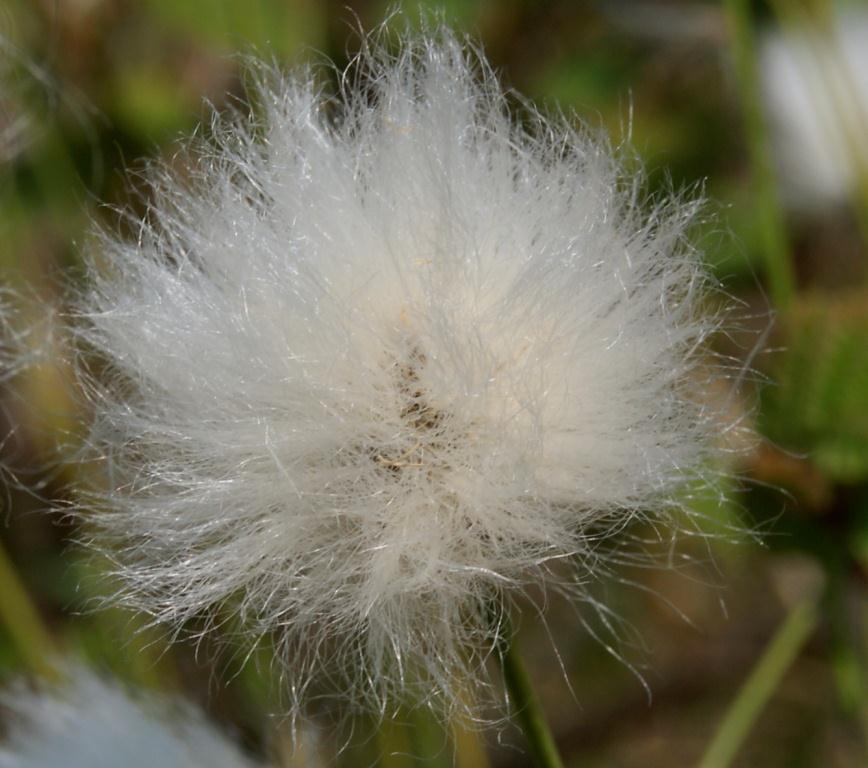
x,y
91,723
383,362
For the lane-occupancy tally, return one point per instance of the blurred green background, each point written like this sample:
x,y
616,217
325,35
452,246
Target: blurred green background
x,y
89,88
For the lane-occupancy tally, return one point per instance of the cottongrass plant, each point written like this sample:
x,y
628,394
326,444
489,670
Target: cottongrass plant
x,y
383,362
88,722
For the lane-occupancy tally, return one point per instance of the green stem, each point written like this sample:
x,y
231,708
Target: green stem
x,y
528,709
23,623
779,655
769,218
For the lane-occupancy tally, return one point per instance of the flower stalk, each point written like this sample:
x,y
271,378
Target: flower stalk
x,y
778,657
528,710
22,621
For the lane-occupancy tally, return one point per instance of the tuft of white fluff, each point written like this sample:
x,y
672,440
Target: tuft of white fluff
x,y
381,363
88,722
16,126
815,83
6,338
18,342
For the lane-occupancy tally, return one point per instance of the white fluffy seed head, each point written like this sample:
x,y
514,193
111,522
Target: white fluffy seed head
x,y
385,359
92,723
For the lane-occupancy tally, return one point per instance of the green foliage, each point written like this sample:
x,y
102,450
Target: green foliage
x,y
232,26
818,401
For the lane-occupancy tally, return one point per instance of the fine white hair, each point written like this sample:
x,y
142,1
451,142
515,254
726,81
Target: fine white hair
x,y
16,125
381,362
6,337
89,722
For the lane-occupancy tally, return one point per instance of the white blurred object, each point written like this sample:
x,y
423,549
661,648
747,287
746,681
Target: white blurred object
x,y
91,723
815,83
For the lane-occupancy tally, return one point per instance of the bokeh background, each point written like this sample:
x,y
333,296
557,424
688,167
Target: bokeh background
x,y
761,107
